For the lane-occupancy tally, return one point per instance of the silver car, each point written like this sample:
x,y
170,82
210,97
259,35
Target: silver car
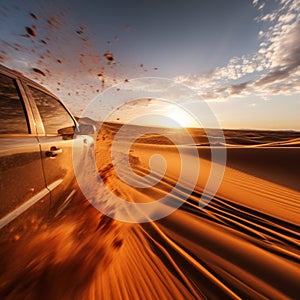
x,y
37,136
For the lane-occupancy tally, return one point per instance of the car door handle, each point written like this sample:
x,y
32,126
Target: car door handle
x,y
53,152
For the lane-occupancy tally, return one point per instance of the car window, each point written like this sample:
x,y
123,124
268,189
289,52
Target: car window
x,y
53,114
12,116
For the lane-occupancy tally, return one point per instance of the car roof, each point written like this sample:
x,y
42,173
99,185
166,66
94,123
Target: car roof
x,y
21,76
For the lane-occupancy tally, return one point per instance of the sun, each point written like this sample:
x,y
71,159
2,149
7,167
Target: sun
x,y
157,113
182,118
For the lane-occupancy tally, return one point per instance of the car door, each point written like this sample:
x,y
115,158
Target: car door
x,y
24,197
56,138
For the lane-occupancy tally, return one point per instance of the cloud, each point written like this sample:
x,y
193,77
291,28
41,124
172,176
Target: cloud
x,y
255,2
238,88
273,69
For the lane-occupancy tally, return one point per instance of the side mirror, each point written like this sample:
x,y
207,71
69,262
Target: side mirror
x,y
85,129
67,131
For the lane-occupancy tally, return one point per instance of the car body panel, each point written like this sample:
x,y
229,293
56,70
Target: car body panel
x,y
21,177
58,168
33,184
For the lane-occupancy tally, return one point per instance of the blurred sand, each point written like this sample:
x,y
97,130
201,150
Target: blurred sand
x,y
243,245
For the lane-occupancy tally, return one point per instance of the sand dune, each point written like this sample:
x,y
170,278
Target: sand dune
x,y
243,245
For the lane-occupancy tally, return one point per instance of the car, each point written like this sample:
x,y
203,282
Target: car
x,y
37,137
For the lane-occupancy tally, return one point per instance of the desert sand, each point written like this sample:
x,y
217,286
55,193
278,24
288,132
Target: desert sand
x,y
244,244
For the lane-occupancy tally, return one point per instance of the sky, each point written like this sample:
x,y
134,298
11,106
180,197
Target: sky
x,y
239,58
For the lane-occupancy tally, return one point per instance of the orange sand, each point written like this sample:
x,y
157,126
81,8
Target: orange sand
x,y
243,245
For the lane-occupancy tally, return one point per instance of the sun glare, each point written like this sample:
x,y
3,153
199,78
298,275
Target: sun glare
x,y
155,113
182,118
